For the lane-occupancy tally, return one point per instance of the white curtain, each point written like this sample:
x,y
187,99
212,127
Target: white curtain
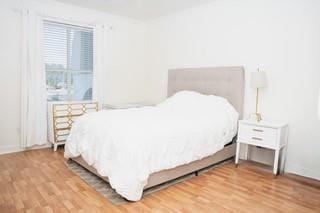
x,y
98,63
33,82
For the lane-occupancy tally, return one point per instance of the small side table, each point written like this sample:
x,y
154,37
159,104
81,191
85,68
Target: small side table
x,y
267,134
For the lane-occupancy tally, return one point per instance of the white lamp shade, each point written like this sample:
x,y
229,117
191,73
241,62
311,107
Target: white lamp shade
x,y
258,79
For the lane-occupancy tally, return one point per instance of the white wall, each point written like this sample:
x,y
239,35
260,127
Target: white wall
x,y
281,37
125,55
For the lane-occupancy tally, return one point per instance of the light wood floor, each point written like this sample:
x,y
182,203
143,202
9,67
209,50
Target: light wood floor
x,y
39,181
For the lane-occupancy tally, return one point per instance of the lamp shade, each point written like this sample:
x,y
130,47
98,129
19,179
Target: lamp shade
x,y
258,79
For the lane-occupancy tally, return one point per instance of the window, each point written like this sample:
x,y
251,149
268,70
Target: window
x,y
68,61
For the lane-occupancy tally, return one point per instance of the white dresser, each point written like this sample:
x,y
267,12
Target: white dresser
x,y
267,134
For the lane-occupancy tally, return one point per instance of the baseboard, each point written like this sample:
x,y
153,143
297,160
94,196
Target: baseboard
x,y
16,148
302,171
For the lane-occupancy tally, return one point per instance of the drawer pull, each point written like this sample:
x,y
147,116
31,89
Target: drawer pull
x,y
257,130
255,138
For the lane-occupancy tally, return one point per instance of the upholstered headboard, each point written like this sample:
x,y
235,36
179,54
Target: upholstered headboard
x,y
227,82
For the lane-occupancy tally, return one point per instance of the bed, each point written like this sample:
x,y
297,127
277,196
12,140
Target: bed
x,y
226,82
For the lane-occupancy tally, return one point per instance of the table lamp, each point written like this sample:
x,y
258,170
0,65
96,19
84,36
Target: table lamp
x,y
258,81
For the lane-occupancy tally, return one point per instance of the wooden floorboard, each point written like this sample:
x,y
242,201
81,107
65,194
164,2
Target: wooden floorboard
x,y
39,181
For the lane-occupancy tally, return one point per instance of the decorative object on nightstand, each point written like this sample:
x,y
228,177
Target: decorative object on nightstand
x,y
258,81
267,134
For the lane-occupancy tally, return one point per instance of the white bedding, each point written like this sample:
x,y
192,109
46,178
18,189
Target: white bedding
x,y
128,145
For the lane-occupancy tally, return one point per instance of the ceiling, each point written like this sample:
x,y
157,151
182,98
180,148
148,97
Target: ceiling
x,y
138,9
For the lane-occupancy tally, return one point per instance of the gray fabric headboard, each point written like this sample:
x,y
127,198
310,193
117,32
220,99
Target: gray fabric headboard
x,y
227,82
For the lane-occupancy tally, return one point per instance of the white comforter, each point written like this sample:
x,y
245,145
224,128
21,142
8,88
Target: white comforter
x,y
130,144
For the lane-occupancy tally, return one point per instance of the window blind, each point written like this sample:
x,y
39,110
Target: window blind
x,y
68,55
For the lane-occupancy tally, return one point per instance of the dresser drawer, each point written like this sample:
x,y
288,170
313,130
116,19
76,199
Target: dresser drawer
x,y
257,135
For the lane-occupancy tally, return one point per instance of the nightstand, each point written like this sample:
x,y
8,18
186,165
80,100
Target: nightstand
x,y
61,116
267,134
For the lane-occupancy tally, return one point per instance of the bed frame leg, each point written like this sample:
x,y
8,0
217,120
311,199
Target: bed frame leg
x,y
196,173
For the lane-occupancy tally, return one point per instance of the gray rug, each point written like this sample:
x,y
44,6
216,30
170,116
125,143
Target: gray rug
x,y
106,190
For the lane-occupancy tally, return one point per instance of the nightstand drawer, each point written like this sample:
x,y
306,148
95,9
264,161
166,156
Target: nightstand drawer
x,y
258,135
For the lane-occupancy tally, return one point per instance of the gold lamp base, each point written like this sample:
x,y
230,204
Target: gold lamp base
x,y
256,117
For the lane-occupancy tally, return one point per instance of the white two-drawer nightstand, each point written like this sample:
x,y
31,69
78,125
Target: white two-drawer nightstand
x,y
266,134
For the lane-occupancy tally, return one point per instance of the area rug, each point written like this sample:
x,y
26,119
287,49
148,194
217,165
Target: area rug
x,y
106,190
